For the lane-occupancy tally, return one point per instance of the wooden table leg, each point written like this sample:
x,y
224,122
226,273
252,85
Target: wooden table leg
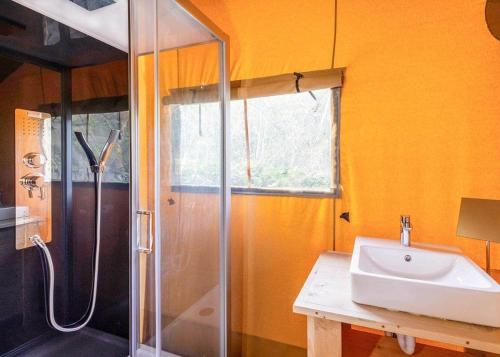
x,y
324,337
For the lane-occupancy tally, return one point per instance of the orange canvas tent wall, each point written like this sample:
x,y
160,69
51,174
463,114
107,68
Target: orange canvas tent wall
x,y
419,130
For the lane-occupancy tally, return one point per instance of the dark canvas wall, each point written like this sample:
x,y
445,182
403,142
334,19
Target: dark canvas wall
x,y
22,310
111,313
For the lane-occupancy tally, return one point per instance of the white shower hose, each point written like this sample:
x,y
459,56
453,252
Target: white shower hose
x,y
84,320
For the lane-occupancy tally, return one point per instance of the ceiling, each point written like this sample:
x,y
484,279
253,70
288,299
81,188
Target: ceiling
x,y
105,20
27,33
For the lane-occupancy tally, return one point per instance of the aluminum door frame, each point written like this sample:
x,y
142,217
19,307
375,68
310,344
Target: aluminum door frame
x,y
225,199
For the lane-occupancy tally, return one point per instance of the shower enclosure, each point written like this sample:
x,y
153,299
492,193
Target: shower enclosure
x,y
179,181
55,81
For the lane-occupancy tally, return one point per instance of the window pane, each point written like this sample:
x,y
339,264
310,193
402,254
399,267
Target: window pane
x,y
290,142
196,143
238,145
95,127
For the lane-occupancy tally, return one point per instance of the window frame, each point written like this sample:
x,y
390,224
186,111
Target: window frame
x,y
256,191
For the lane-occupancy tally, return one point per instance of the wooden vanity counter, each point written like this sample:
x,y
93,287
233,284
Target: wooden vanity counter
x,y
326,300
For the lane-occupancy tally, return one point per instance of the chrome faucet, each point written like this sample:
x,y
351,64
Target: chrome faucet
x,y
405,231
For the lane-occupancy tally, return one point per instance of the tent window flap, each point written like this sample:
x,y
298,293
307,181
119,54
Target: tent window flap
x,y
259,87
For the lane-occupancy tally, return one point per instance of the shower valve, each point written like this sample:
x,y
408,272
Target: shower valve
x,y
32,182
34,160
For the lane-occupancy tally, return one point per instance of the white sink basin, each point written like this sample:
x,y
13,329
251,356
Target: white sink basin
x,y
426,280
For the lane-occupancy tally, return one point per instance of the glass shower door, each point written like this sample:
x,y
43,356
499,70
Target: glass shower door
x,y
180,198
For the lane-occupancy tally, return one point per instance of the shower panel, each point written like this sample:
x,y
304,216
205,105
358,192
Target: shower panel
x,y
33,175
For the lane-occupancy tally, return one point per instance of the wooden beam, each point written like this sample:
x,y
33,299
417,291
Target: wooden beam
x,y
324,337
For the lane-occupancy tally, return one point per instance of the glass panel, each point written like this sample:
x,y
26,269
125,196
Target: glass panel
x,y
190,146
143,148
194,165
146,199
184,296
176,28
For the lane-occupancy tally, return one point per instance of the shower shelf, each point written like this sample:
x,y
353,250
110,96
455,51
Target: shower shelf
x,y
16,216
14,222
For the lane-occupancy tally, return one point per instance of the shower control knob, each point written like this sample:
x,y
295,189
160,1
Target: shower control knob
x,y
33,181
34,160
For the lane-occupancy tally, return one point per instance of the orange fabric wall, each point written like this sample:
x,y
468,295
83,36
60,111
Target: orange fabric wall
x,y
99,81
27,87
420,128
420,118
274,243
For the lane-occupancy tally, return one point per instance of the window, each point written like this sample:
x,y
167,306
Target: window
x,y
96,128
284,144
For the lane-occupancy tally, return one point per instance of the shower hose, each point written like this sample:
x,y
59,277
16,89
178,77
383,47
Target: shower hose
x,y
48,270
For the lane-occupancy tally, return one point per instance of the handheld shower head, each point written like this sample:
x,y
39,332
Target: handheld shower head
x,y
106,150
86,148
108,147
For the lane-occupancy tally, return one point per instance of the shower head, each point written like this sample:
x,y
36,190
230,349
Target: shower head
x,y
86,148
106,150
108,147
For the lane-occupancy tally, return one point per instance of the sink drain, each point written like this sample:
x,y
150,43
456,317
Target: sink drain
x,y
407,258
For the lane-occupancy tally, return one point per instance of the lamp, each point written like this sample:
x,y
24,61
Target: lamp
x,y
480,219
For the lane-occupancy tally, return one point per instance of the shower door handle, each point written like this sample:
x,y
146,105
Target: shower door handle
x,y
148,248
